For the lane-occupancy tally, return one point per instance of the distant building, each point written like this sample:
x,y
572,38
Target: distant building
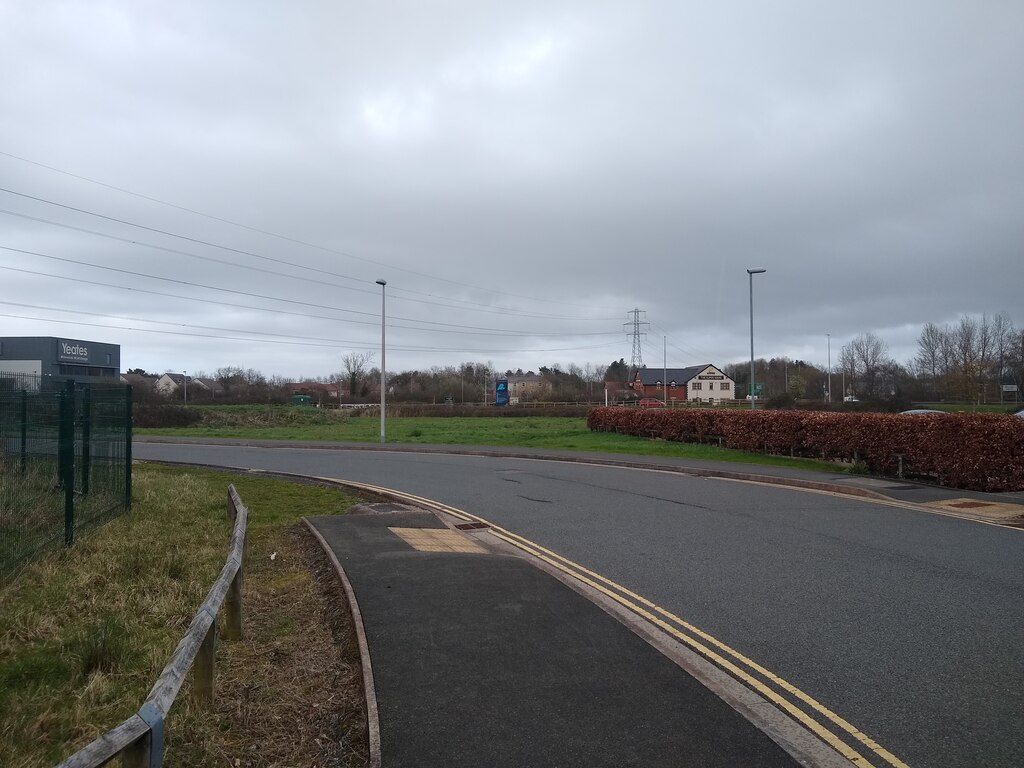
x,y
698,383
170,383
139,382
527,386
56,359
210,385
317,390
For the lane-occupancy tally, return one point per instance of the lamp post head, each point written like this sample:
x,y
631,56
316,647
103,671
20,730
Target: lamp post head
x,y
756,271
382,282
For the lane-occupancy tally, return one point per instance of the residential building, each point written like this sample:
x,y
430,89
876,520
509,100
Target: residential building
x,y
170,383
528,386
698,383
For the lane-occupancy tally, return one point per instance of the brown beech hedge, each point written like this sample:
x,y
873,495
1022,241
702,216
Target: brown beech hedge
x,y
983,452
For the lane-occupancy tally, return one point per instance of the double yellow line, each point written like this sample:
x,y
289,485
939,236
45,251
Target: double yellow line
x,y
728,659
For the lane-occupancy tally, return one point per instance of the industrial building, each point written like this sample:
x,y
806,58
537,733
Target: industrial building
x,y
52,359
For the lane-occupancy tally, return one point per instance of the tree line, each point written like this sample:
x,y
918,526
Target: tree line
x,y
970,360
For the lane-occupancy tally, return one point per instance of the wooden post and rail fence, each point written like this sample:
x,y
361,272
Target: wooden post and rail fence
x,y
139,740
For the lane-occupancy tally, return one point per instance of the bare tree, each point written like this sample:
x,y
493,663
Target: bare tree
x,y
354,367
931,358
971,343
1003,343
864,358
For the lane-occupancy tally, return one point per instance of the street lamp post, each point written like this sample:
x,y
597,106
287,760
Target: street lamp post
x,y
750,274
664,363
382,283
829,336
184,380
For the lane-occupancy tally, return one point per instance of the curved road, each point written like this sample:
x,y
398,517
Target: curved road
x,y
909,625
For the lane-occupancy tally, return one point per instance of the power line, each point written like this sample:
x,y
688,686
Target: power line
x,y
285,238
403,348
269,333
188,254
692,351
488,309
227,290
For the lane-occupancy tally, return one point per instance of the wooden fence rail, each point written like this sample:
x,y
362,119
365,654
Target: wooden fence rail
x,y
139,740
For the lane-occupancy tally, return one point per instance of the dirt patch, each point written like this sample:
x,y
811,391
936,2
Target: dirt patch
x,y
290,692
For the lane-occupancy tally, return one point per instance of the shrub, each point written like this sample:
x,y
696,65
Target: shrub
x,y
978,451
163,415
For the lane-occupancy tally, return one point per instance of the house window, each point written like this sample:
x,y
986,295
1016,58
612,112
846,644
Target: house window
x,y
711,385
657,383
672,383
698,385
726,386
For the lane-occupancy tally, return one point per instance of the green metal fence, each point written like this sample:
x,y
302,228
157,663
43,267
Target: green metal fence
x,y
65,463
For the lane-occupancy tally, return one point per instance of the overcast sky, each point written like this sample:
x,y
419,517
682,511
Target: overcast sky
x,y
522,174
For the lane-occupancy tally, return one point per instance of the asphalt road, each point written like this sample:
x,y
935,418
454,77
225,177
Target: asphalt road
x,y
908,624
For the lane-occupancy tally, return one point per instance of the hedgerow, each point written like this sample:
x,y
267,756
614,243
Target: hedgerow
x,y
982,452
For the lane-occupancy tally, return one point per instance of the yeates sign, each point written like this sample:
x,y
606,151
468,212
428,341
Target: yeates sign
x,y
72,351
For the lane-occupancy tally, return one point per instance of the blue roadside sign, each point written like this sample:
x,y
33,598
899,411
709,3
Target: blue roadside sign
x,y
501,392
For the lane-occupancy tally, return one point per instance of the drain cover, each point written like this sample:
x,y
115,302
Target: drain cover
x,y
471,526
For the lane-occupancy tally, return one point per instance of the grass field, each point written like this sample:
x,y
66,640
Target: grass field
x,y
559,433
84,632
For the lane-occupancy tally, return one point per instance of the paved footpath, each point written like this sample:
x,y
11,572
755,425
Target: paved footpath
x,y
482,659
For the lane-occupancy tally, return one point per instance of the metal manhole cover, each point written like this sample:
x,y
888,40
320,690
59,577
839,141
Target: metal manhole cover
x,y
471,526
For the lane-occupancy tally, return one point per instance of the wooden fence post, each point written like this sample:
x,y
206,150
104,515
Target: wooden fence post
x,y
203,668
139,754
233,607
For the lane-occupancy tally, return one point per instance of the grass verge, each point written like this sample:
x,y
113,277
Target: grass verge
x,y
554,432
85,632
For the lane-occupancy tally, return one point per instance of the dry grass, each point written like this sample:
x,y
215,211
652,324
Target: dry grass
x,y
290,693
85,632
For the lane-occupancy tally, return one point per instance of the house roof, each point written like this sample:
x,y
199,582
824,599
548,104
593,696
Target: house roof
x,y
652,376
298,387
138,379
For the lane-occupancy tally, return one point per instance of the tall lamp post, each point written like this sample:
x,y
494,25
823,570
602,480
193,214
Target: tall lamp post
x,y
382,283
184,380
753,389
829,337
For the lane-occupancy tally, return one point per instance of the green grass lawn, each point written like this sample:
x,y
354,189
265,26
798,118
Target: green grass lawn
x,y
559,433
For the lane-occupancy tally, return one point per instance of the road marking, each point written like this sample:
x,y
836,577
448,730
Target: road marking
x,y
640,605
437,540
